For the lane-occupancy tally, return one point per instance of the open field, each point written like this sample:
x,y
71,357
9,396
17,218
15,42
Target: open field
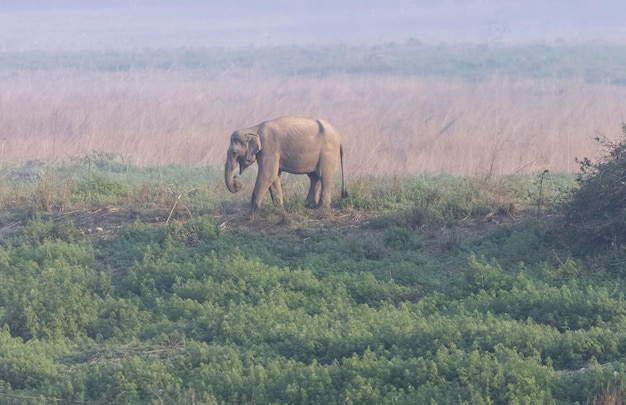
x,y
158,108
130,275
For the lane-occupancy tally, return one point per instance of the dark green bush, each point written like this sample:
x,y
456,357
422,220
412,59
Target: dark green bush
x,y
51,291
596,215
197,230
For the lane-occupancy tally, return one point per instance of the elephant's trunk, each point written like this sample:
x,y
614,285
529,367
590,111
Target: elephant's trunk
x,y
232,183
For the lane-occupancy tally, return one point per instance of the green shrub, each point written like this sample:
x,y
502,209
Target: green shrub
x,y
99,189
50,292
197,230
37,230
399,238
596,215
24,366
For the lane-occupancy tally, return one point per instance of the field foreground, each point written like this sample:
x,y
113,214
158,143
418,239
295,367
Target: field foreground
x,y
121,284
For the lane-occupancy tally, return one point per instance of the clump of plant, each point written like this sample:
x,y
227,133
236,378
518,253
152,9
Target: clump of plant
x,y
597,211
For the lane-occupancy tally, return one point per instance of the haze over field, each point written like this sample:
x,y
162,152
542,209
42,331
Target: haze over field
x,y
76,25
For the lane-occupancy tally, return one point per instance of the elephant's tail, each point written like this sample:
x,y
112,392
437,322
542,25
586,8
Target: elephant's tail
x,y
344,193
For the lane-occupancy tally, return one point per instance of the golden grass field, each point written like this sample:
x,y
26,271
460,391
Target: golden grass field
x,y
390,124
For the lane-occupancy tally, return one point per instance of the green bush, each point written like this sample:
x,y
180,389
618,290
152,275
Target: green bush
x,y
51,291
596,215
99,189
24,366
197,230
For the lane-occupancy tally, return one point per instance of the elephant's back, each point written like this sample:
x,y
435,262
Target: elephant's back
x,y
296,126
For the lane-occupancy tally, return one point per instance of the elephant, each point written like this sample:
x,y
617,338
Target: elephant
x,y
292,144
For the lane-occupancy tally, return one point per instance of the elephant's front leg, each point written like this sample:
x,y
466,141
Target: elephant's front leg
x,y
257,195
314,190
266,178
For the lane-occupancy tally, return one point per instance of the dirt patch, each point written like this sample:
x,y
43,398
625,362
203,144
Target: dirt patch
x,y
283,221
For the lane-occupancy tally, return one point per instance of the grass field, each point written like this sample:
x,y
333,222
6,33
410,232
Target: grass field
x,y
481,113
463,267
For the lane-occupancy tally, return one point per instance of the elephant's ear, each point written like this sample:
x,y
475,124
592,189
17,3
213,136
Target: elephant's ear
x,y
254,146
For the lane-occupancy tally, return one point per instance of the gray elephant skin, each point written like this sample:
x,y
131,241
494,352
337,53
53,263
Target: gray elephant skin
x,y
292,144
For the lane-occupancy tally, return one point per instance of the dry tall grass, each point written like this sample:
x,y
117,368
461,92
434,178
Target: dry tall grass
x,y
390,124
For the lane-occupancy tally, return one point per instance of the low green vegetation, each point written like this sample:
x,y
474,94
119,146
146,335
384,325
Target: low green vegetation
x,y
127,285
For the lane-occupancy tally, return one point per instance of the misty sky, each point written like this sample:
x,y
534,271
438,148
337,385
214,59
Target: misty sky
x,y
75,25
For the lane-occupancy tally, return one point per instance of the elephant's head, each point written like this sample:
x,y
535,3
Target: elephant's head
x,y
242,152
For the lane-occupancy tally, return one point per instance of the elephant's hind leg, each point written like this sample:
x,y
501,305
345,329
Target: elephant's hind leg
x,y
314,190
326,187
276,191
324,201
